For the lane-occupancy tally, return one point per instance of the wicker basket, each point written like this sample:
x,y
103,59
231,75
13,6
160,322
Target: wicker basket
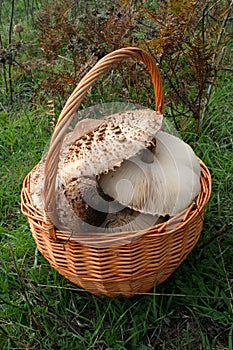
x,y
123,263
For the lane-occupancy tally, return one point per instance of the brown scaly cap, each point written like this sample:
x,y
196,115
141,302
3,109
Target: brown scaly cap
x,y
116,138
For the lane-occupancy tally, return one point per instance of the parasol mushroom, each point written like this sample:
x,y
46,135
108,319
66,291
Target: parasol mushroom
x,y
129,220
117,137
37,175
93,147
161,180
101,149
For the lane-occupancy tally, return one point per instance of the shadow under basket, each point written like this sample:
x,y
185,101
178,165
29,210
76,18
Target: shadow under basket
x,y
124,263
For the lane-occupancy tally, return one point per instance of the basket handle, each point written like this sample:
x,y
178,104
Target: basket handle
x,y
72,106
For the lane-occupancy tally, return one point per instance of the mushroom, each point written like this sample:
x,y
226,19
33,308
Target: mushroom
x,y
128,220
36,180
160,180
95,147
18,28
87,200
104,148
115,138
37,174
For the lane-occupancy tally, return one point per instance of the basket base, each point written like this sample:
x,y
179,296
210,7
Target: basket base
x,y
126,288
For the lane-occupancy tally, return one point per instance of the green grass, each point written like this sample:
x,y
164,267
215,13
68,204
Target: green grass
x,y
41,310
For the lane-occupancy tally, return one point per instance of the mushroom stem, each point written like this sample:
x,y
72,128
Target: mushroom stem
x,y
147,154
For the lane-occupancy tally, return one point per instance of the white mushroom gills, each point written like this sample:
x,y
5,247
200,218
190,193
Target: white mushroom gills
x,y
165,186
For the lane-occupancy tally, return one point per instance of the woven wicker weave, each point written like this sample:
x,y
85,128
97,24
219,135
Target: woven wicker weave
x,y
114,264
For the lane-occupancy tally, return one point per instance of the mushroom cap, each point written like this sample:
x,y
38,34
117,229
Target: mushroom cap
x,y
87,200
116,138
164,186
18,28
37,174
36,179
128,220
83,127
